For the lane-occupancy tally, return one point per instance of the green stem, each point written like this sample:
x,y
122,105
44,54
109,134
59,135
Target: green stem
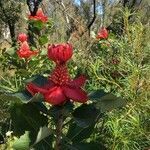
x,y
59,127
26,63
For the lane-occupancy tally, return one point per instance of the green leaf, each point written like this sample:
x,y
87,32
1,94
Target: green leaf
x,y
22,143
44,52
11,51
43,40
77,134
41,107
38,24
109,102
45,144
89,146
42,134
85,115
27,117
23,96
66,108
44,139
85,118
38,80
96,95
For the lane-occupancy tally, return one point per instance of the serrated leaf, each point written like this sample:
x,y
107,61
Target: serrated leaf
x,y
23,96
38,80
109,102
22,143
77,134
96,95
44,139
85,115
42,134
45,144
27,117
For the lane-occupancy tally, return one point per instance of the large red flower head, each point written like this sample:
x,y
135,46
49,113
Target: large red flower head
x,y
39,16
61,87
22,37
102,34
25,52
60,53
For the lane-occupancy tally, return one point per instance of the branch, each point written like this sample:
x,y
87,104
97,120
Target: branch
x,y
64,11
94,15
66,16
33,6
59,127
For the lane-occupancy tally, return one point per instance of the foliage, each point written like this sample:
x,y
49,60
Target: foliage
x,y
116,67
9,11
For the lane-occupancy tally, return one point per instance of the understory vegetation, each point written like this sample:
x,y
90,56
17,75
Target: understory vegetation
x,y
118,64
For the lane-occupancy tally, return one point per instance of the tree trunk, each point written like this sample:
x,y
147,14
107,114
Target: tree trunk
x,y
12,33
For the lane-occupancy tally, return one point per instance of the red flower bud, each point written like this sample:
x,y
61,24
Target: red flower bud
x,y
25,52
39,16
102,34
60,53
22,37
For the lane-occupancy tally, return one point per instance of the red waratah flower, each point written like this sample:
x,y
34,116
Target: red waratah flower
x,y
22,37
25,52
60,88
102,34
39,16
60,53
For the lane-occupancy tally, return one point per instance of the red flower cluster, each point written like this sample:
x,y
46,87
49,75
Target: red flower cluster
x,y
25,52
102,34
60,87
22,37
39,16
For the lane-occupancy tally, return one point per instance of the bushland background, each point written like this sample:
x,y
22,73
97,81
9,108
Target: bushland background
x,y
122,68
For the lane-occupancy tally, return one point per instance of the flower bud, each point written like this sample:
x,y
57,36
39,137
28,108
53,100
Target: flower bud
x,y
39,16
25,52
22,37
60,53
102,34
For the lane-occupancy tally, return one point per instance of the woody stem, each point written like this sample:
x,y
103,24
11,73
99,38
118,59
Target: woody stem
x,y
59,126
26,63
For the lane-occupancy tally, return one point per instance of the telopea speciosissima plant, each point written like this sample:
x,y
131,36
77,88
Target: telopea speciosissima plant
x,y
31,50
44,113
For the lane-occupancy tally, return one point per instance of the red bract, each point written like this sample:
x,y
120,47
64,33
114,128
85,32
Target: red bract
x,y
60,53
102,34
25,52
39,16
61,88
22,37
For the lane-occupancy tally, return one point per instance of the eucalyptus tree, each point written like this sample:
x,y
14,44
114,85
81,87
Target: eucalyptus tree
x,y
10,14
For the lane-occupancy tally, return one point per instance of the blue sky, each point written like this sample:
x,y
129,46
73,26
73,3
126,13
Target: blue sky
x,y
78,1
99,8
